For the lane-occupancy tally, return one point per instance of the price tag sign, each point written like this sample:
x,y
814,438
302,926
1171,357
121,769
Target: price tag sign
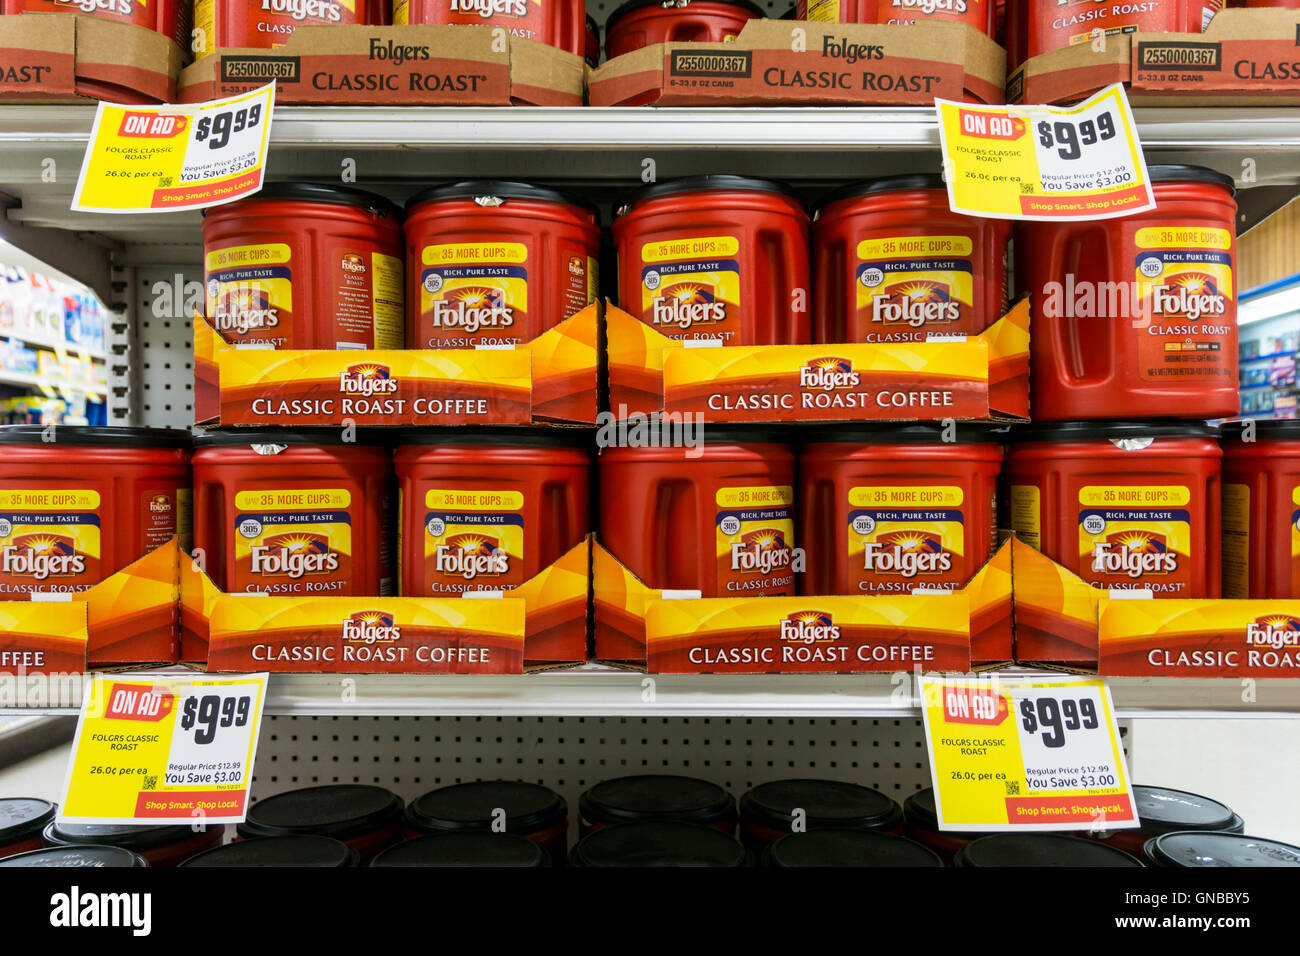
x,y
171,157
164,749
1045,162
1026,753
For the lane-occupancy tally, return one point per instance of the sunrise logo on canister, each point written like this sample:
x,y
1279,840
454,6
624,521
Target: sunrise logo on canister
x,y
1134,553
915,304
471,555
760,551
908,552
41,556
293,554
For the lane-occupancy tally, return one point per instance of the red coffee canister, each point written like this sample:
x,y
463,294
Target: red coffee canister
x,y
716,257
366,818
1137,312
490,262
641,23
591,43
769,811
1162,810
1125,505
1261,509
1035,27
656,798
884,509
286,512
79,508
718,518
525,809
159,845
22,819
483,510
305,266
892,263
981,14
265,24
171,18
557,23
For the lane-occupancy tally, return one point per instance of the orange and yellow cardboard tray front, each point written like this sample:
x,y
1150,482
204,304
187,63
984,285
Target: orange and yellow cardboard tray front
x,y
804,63
406,65
1244,58
70,56
553,378
636,624
128,618
980,377
303,634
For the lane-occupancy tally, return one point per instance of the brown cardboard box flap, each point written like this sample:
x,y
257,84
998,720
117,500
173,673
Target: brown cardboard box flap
x,y
394,66
795,62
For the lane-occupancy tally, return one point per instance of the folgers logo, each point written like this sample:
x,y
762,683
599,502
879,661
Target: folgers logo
x,y
930,7
828,374
371,627
686,304
1274,630
160,505
293,555
244,311
1190,295
491,8
915,304
121,8
1135,554
41,556
367,378
761,552
907,553
472,308
318,11
353,263
470,556
809,627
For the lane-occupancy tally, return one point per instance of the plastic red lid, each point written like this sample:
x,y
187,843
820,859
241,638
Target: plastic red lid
x,y
340,811
860,848
465,848
303,849
78,856
658,844
656,797
22,817
827,805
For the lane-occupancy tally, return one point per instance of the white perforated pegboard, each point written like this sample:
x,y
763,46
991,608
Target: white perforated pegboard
x,y
162,353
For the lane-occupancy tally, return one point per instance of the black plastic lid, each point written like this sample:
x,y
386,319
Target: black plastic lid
x,y
1266,429
1107,430
501,188
505,435
827,805
1200,848
886,433
298,850
469,806
1172,173
658,844
326,192
656,797
695,184
1161,810
128,836
591,23
98,435
78,856
1040,849
22,817
339,810
670,5
464,848
884,184
270,436
847,848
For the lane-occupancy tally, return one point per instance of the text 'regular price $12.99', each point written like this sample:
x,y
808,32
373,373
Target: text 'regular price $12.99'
x,y
206,714
215,129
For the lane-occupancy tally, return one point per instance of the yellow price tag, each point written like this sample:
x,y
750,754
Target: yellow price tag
x,y
164,749
1026,753
170,157
1045,162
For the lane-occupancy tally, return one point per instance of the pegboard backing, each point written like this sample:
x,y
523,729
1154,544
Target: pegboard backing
x,y
163,350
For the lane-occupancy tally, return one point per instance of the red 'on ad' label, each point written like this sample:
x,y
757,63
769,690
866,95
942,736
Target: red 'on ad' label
x,y
991,125
152,125
973,705
136,702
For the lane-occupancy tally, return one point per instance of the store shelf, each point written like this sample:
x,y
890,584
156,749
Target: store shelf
x,y
1264,358
36,380
55,345
603,691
